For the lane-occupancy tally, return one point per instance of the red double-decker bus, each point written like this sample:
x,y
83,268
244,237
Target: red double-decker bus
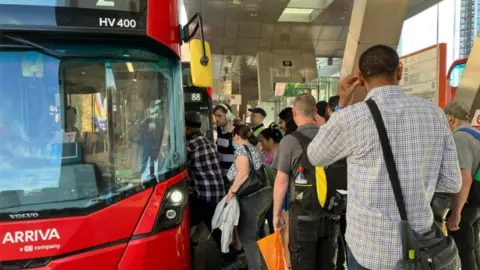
x,y
454,77
92,152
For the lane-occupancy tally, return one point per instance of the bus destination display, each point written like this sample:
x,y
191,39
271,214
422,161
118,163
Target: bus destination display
x,y
105,14
118,5
193,97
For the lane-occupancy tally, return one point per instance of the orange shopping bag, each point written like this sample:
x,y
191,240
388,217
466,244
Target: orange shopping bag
x,y
272,251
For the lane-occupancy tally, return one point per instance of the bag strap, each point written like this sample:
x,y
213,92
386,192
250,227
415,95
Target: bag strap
x,y
472,132
250,157
302,139
388,156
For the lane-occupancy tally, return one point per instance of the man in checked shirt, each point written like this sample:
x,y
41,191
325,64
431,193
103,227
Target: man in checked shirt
x,y
206,178
423,149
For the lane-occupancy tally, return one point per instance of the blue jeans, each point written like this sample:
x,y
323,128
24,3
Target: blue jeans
x,y
352,262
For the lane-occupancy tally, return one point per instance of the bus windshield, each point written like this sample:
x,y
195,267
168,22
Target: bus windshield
x,y
78,134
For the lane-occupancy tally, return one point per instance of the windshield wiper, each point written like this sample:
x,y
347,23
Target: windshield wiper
x,y
26,44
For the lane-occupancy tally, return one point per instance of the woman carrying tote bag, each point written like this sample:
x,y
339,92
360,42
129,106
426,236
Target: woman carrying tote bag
x,y
249,184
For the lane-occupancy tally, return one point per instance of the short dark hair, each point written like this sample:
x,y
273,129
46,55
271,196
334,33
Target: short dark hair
x,y
378,61
287,116
321,108
333,102
273,134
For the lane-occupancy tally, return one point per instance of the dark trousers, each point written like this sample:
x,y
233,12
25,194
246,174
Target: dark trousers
x,y
252,215
313,241
468,239
269,219
353,263
203,211
342,249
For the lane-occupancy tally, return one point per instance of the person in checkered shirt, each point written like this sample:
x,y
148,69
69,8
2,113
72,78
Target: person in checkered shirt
x,y
423,148
206,178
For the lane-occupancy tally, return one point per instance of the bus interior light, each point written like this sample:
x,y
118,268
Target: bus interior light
x,y
130,67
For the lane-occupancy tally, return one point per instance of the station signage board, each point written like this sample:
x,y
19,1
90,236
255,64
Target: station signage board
x,y
424,74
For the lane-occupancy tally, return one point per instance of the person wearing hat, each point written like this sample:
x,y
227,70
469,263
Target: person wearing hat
x,y
205,173
464,220
257,117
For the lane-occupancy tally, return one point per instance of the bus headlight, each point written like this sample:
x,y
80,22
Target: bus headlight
x,y
176,197
173,206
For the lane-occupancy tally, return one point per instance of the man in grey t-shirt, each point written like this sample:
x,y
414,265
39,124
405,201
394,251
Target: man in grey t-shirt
x,y
312,239
464,221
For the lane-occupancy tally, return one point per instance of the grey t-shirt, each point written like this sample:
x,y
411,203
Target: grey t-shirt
x,y
290,151
468,149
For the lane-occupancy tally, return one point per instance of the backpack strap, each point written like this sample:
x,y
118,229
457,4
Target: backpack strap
x,y
302,139
472,132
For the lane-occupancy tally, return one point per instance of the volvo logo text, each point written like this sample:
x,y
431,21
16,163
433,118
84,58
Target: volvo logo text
x,y
24,216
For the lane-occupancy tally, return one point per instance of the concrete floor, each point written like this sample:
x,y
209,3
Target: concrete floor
x,y
207,256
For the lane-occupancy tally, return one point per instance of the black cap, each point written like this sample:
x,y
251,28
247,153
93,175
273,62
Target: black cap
x,y
258,110
193,120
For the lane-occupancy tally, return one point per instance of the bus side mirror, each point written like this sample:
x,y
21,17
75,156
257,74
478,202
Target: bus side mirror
x,y
200,64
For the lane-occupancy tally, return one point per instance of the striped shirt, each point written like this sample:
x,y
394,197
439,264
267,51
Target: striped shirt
x,y
426,159
225,150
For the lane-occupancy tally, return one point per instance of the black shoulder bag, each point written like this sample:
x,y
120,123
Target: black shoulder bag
x,y
430,251
257,179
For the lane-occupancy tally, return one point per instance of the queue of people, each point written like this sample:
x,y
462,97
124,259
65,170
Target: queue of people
x,y
391,153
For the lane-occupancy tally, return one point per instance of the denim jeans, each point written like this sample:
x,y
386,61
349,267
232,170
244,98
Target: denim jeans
x,y
253,209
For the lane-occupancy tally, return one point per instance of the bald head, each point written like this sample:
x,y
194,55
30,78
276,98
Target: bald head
x,y
304,105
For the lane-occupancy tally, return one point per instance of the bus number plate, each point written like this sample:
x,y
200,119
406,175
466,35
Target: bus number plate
x,y
117,23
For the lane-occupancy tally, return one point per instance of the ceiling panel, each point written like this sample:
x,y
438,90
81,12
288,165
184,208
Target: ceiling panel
x,y
267,30
274,10
279,45
249,30
313,32
234,13
282,32
295,44
299,30
247,46
213,31
309,45
331,32
325,48
231,50
231,29
264,43
344,34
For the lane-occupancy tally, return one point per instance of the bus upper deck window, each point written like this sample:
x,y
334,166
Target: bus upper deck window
x,y
456,75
